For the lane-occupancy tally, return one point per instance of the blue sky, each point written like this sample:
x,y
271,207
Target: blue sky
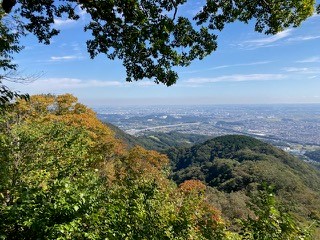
x,y
247,68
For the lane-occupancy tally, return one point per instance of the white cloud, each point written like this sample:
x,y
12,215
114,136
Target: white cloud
x,y
81,11
65,58
267,41
295,69
229,66
145,83
240,65
76,47
310,60
53,85
73,85
237,78
63,22
302,70
272,39
97,83
303,38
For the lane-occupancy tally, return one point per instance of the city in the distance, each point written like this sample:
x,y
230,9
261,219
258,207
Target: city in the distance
x,y
293,127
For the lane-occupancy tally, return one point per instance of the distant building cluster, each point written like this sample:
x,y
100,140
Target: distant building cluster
x,y
285,124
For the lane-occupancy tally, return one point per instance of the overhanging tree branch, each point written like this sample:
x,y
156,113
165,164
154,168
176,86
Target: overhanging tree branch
x,y
7,5
149,40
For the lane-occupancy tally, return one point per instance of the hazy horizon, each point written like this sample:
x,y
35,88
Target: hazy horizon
x,y
169,102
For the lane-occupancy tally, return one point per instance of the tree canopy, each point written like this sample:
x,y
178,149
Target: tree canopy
x,y
65,176
151,37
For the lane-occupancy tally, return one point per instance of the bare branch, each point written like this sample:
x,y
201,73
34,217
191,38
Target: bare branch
x,y
18,77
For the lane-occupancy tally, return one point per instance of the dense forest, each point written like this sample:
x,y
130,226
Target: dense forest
x,y
64,175
237,165
67,177
313,155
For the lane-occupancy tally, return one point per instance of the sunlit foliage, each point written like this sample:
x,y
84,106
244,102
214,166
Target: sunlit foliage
x,y
64,176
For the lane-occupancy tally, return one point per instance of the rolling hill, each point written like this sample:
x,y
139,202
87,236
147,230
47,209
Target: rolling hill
x,y
235,166
158,141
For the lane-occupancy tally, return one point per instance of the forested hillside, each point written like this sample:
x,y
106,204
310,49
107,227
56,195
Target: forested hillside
x,y
158,141
64,175
161,141
314,155
234,166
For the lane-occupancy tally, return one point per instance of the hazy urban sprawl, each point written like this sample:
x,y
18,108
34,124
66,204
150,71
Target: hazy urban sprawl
x,y
292,127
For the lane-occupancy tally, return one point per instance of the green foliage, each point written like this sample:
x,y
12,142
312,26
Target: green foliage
x,y
232,146
8,96
64,176
165,142
271,16
129,140
10,32
313,155
162,142
270,221
236,165
49,185
151,207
